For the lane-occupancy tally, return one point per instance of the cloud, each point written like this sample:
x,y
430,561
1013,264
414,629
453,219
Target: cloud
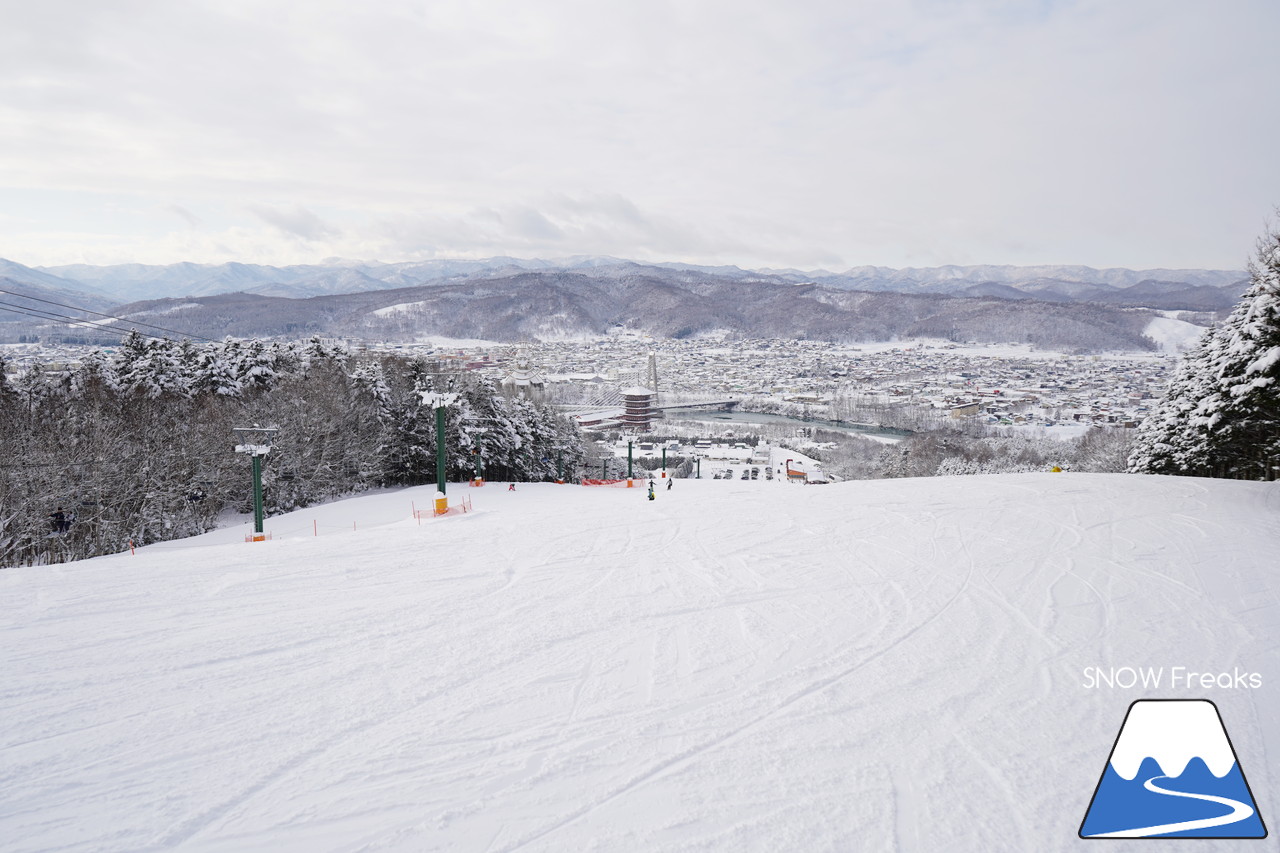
x,y
1082,130
185,215
298,222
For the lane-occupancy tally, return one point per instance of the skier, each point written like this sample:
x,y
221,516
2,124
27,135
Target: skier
x,y
668,484
511,488
651,490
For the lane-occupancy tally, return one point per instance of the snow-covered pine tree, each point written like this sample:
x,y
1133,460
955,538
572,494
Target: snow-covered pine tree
x,y
1166,441
133,363
256,368
316,350
407,451
1242,416
95,377
186,359
7,394
368,379
491,433
216,371
1221,413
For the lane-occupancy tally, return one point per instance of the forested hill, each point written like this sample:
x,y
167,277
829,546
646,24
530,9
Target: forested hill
x,y
138,446
557,305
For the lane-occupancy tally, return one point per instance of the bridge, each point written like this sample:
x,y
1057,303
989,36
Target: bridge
x,y
724,405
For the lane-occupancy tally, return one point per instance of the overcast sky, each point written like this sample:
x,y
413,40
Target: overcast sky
x,y
1135,133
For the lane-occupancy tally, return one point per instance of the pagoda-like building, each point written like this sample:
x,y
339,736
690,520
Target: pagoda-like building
x,y
525,378
639,409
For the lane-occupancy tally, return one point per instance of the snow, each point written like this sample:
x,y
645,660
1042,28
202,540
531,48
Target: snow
x,y
172,309
1264,362
1066,431
1173,336
399,308
461,343
971,350
876,665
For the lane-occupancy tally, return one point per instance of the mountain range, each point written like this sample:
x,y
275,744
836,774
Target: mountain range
x,y
504,298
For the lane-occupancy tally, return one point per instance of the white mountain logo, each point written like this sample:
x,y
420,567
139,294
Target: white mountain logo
x,y
1173,773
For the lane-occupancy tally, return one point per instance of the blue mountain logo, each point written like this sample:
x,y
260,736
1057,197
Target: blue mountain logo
x,y
1172,773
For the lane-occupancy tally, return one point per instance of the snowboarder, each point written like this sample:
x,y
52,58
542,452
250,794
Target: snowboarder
x,y
511,488
668,484
651,490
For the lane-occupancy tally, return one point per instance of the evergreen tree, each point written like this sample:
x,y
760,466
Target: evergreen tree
x,y
96,377
256,366
368,378
1167,441
1221,413
215,371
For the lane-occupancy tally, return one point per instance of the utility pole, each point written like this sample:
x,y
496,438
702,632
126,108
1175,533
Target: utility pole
x,y
257,443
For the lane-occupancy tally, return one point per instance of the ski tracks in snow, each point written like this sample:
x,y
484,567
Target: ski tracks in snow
x,y
871,650
587,669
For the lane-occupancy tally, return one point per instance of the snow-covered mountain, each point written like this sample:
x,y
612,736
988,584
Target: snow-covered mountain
x,y
1155,288
509,299
557,304
31,297
18,273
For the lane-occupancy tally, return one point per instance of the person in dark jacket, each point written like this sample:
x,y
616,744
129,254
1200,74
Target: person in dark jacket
x,y
59,520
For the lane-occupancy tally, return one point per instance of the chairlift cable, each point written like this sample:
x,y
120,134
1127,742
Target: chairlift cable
x,y
74,322
107,316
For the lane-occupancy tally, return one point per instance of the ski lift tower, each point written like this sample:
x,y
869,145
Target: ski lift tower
x,y
256,443
438,401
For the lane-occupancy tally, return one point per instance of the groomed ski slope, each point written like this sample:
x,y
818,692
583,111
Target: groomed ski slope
x,y
884,665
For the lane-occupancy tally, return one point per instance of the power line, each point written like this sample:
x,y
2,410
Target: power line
x,y
107,316
100,314
32,312
74,322
26,465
